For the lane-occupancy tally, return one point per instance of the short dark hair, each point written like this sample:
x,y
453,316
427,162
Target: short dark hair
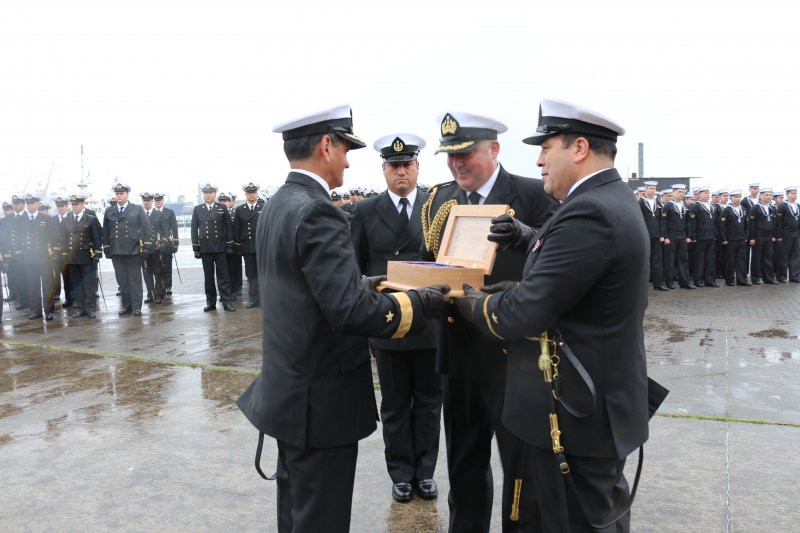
x,y
302,147
598,145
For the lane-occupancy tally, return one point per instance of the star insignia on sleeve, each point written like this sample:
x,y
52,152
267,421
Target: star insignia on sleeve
x,y
494,318
389,317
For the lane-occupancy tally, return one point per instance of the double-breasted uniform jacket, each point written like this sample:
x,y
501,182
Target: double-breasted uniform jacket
x,y
787,220
83,238
586,277
761,224
212,230
652,217
169,237
9,229
126,233
702,222
673,221
156,218
733,224
244,230
315,387
379,233
461,352
35,239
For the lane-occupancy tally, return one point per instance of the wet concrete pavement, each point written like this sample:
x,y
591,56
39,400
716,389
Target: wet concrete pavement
x,y
105,425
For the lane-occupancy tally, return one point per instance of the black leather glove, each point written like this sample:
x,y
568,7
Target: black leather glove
x,y
500,286
466,304
197,255
509,232
433,299
370,282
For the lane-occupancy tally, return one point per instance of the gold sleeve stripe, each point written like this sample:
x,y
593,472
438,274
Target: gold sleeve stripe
x,y
406,314
489,320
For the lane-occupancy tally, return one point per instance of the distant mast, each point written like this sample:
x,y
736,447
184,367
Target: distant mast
x,y
82,184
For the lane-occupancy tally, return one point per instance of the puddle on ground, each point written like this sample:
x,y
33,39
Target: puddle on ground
x,y
676,333
773,355
773,333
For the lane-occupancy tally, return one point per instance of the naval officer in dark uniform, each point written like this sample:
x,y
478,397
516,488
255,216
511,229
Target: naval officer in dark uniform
x,y
314,394
169,241
584,283
151,264
127,237
35,241
84,245
384,228
212,241
234,259
474,368
244,236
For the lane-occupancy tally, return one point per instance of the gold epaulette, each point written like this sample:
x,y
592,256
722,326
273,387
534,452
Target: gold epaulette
x,y
432,226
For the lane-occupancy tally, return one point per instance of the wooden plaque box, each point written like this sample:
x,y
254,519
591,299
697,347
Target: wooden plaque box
x,y
465,255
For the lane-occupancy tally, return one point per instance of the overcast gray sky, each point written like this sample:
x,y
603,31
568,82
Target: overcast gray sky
x,y
165,94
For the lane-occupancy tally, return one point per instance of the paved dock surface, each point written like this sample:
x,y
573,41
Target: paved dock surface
x,y
128,423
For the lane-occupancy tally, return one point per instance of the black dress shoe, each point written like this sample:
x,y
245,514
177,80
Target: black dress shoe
x,y
689,286
781,281
48,316
700,284
137,312
745,284
91,314
757,282
714,285
730,283
169,292
250,305
427,489
68,304
158,301
148,300
228,307
208,308
20,306
79,314
118,293
770,282
660,288
402,492
794,281
125,312
34,316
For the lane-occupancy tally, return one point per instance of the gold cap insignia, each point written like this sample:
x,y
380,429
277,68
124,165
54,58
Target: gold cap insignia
x,y
449,125
119,186
398,145
73,198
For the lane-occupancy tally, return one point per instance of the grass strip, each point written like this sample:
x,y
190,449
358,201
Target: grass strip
x,y
728,419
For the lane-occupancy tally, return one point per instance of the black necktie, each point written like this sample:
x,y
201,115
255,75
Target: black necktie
x,y
404,210
474,198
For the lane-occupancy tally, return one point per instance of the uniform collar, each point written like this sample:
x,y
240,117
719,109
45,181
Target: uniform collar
x,y
314,177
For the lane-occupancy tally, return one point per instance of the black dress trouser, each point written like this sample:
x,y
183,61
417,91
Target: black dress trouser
x,y
217,262
315,488
128,271
601,486
411,411
84,285
251,271
472,414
